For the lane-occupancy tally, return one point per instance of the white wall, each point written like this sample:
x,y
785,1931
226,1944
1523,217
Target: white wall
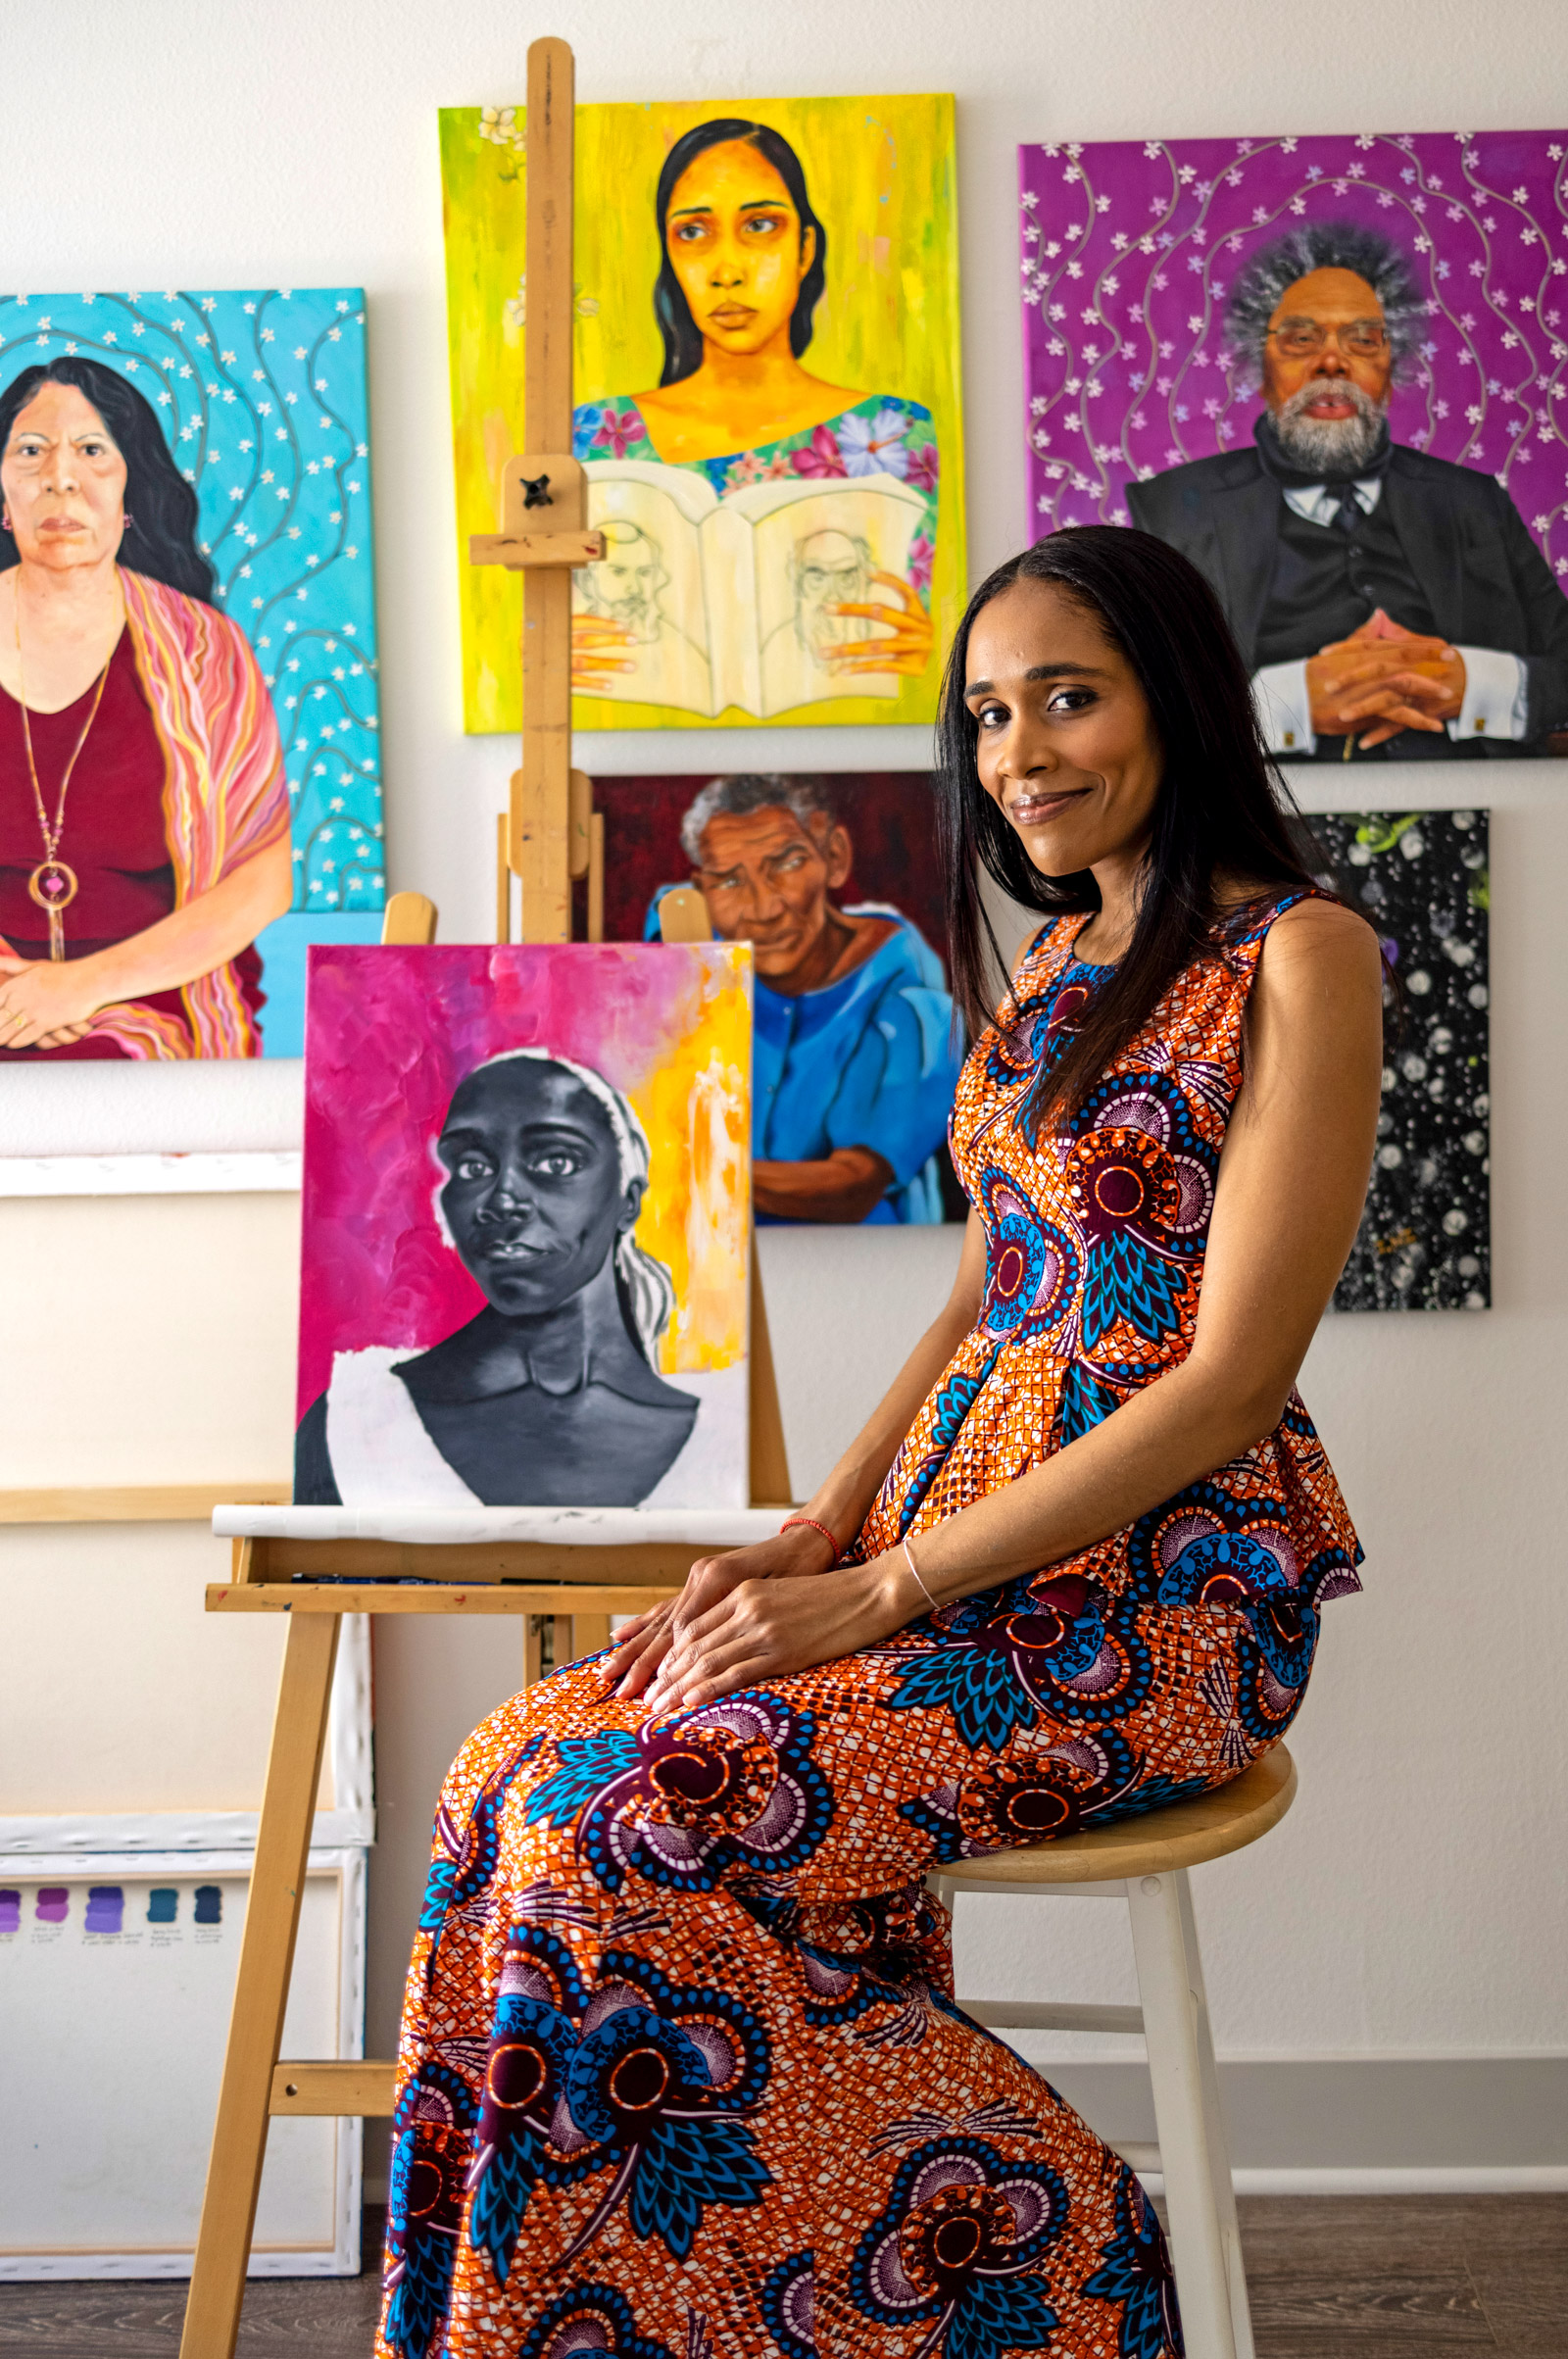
x,y
1415,1902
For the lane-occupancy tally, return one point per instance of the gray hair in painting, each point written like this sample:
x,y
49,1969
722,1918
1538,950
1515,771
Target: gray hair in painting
x,y
648,1290
1326,246
754,790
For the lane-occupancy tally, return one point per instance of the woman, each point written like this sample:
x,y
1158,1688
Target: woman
x,y
681,2057
551,1395
744,266
144,816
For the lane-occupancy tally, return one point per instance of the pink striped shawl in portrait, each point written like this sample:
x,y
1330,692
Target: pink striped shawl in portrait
x,y
226,797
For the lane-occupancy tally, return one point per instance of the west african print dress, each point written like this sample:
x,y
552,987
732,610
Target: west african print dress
x,y
682,2075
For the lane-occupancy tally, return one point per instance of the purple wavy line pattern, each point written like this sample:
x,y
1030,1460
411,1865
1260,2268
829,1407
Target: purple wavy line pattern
x,y
1129,248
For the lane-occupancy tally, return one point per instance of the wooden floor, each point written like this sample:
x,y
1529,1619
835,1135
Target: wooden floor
x,y
1384,2278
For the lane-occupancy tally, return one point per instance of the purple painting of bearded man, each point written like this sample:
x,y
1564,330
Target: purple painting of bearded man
x,y
1321,367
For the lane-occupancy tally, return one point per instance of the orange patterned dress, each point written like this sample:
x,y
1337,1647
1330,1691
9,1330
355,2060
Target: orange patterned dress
x,y
682,2075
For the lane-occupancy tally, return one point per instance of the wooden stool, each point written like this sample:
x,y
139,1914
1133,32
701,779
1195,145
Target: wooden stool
x,y
1144,1861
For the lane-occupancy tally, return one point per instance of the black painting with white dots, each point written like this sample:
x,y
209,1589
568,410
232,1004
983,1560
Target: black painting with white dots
x,y
1422,879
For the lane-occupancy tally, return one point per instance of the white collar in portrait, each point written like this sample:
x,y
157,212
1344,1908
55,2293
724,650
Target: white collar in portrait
x,y
382,1455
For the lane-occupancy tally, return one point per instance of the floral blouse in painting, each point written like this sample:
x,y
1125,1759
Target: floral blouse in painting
x,y
881,436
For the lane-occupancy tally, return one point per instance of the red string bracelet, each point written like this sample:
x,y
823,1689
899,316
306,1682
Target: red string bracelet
x,y
810,1520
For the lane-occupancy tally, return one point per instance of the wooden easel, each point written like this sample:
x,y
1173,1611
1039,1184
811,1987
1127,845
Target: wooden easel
x,y
548,838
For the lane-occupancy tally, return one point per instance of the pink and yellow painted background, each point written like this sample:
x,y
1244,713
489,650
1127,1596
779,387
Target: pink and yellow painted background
x,y
388,1036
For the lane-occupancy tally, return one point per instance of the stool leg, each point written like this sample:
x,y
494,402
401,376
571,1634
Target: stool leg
x,y
1230,2234
1170,2028
261,1993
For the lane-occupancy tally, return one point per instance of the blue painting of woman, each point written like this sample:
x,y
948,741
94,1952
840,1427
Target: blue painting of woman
x,y
144,812
744,263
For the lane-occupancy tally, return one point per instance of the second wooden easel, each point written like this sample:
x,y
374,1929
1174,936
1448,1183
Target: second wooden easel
x,y
547,837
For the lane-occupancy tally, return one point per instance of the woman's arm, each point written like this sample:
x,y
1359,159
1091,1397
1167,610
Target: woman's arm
x,y
840,1503
55,1001
844,1500
1292,1184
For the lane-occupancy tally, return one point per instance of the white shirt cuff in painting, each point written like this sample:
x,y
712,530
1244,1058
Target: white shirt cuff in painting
x,y
1284,707
1496,695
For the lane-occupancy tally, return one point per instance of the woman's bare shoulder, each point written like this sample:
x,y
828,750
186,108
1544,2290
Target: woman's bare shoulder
x,y
1321,964
1319,930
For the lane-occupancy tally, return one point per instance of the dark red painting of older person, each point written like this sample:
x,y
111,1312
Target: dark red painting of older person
x,y
144,815
854,1060
1385,600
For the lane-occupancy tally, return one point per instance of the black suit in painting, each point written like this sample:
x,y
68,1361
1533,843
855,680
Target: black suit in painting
x,y
1475,570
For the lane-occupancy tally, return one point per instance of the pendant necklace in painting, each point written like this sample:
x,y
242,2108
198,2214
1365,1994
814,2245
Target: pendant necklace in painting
x,y
52,884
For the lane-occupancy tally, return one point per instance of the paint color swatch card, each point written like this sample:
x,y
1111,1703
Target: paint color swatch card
x,y
526,1227
117,1981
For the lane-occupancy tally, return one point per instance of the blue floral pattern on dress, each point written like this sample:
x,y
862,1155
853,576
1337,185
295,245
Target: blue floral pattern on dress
x,y
1135,2272
954,1402
958,2247
1001,1660
1031,1264
1088,1778
465,1856
679,1800
645,2077
789,2305
432,2141
590,2321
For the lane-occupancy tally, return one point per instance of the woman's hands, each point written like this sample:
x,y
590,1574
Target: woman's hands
x,y
1386,675
907,647
599,649
45,1003
798,1553
762,1630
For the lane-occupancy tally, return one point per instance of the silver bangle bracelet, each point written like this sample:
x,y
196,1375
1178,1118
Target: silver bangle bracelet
x,y
908,1558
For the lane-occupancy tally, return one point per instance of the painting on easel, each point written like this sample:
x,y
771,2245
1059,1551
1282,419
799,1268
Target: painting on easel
x,y
526,1225
767,371
191,771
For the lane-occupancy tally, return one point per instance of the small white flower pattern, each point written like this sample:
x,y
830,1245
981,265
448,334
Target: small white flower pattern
x,y
1484,219
295,529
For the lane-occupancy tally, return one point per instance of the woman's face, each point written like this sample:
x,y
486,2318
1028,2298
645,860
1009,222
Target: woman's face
x,y
1066,745
736,247
63,482
534,1202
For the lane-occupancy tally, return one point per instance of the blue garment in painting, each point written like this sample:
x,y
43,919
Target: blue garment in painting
x,y
869,1062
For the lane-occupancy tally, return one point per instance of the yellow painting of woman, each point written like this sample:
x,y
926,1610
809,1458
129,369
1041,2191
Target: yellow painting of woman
x,y
767,371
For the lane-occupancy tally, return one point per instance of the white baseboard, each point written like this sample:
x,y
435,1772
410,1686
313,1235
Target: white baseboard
x,y
1546,2179
1374,2125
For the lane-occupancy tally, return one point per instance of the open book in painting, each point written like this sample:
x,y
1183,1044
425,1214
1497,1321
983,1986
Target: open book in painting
x,y
731,602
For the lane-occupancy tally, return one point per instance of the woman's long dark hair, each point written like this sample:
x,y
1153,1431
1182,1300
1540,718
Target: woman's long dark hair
x,y
683,342
1221,806
160,505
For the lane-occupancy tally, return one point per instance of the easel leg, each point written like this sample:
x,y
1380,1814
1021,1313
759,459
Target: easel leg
x,y
589,1632
596,877
502,877
261,1993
